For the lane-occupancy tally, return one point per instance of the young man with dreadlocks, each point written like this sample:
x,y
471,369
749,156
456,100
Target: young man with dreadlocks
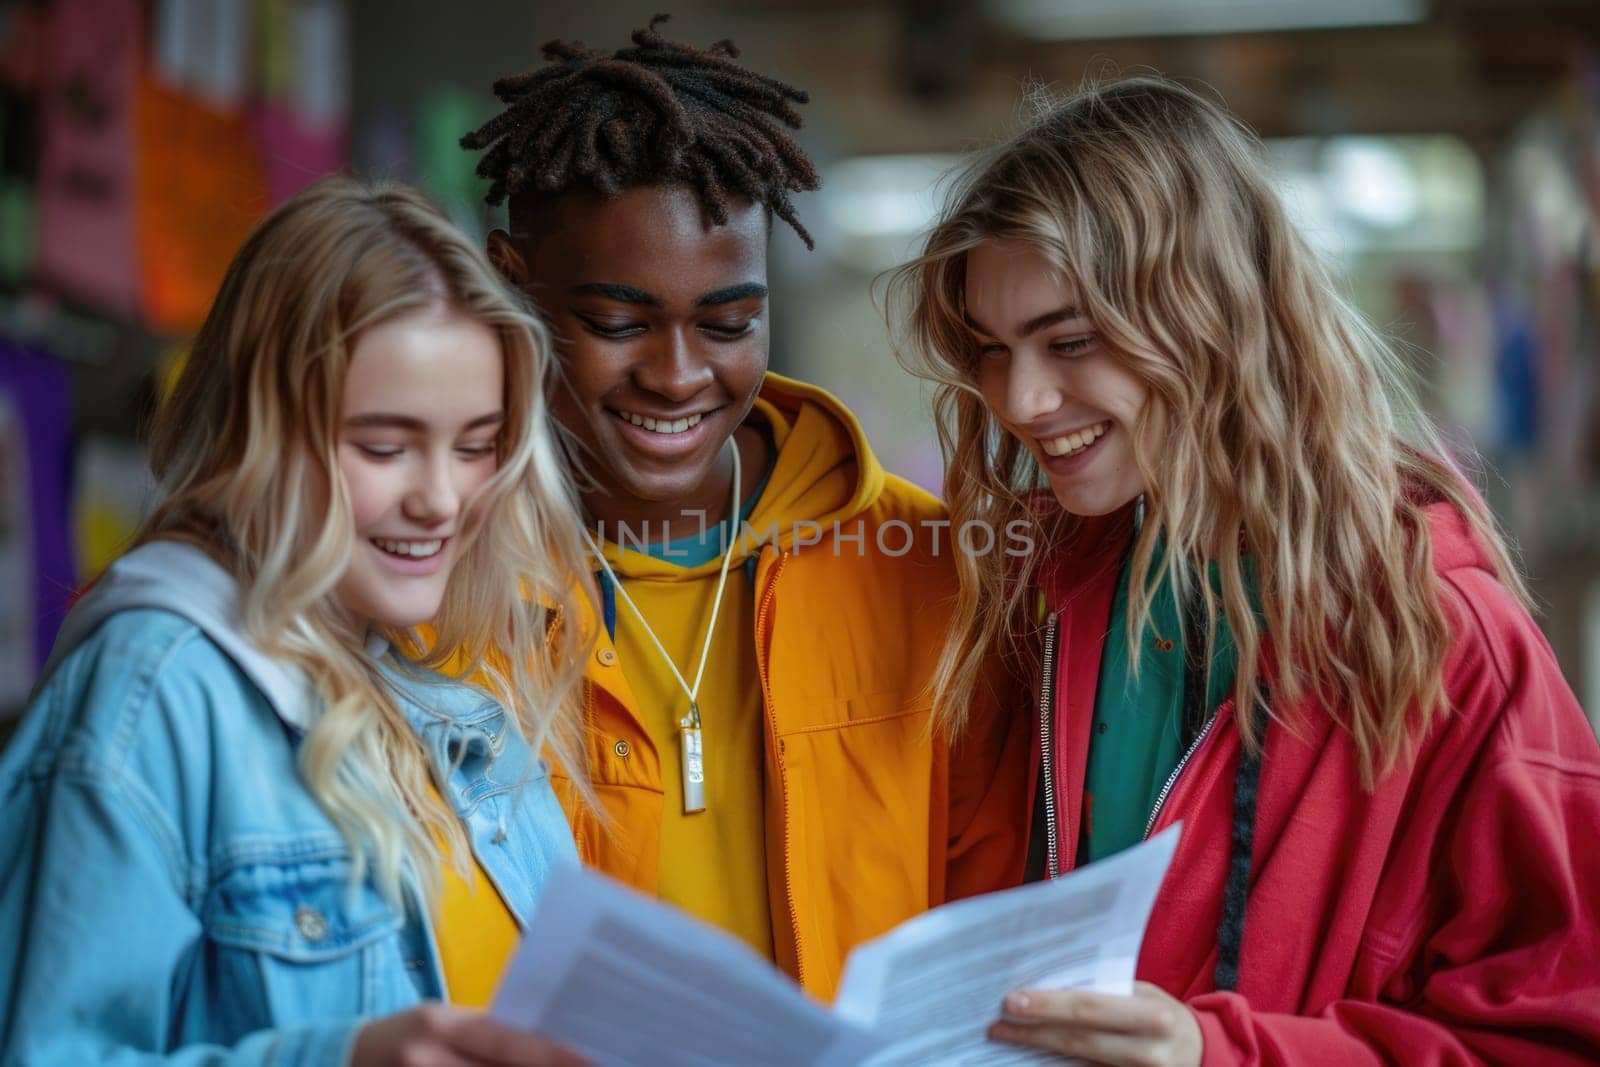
x,y
758,703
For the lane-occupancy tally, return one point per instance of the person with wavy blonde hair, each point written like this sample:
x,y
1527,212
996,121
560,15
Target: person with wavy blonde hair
x,y
1263,602
246,818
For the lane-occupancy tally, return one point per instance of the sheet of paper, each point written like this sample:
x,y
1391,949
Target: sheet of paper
x,y
322,93
203,47
933,985
624,979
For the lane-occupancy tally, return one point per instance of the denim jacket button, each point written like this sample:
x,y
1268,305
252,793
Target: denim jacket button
x,y
312,926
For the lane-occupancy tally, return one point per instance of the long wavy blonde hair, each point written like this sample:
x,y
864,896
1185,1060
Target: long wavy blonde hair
x,y
1286,434
245,452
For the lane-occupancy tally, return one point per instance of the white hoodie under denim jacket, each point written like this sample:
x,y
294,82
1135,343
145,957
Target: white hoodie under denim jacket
x,y
169,891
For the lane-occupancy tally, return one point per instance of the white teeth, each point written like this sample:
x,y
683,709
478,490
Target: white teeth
x,y
413,549
1074,442
662,426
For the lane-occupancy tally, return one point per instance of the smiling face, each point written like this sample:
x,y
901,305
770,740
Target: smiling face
x,y
1051,380
423,409
660,318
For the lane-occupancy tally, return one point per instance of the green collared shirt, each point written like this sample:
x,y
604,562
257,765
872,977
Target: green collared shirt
x,y
1138,732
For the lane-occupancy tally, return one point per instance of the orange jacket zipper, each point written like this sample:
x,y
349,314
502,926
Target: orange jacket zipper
x,y
783,780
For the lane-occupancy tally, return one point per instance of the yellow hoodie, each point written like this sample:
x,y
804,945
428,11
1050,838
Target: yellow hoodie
x,y
835,776
713,861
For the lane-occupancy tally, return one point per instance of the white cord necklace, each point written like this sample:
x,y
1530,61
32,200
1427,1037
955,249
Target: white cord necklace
x,y
694,777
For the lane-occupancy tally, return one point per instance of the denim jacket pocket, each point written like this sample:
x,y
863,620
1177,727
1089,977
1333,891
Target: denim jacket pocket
x,y
292,939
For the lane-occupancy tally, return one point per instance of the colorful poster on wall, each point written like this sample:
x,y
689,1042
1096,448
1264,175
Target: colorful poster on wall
x,y
18,608
22,35
113,492
303,73
321,88
84,209
200,187
443,114
37,576
203,48
295,153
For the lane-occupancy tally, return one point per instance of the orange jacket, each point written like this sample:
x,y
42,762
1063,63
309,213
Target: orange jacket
x,y
847,635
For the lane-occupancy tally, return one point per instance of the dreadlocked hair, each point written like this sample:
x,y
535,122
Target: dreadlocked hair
x,y
659,112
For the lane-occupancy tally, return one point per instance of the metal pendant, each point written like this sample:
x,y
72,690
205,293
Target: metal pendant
x,y
694,773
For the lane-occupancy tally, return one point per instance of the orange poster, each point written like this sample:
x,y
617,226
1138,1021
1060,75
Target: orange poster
x,y
199,187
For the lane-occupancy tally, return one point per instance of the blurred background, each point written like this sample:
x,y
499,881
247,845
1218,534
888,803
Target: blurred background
x,y
1444,155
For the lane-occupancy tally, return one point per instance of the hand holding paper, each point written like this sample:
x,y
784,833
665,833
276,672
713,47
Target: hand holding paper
x,y
628,980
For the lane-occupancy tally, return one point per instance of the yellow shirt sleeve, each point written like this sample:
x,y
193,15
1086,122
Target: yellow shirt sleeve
x,y
475,934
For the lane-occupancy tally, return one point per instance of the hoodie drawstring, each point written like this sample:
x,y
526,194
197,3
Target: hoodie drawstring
x,y
1236,892
1246,783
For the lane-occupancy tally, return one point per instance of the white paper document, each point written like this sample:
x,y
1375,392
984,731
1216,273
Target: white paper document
x,y
625,979
933,984
628,980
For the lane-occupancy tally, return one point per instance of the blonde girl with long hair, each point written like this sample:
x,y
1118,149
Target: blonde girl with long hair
x,y
246,818
1262,602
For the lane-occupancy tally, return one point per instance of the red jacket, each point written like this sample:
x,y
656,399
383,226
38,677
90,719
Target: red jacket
x,y
1450,917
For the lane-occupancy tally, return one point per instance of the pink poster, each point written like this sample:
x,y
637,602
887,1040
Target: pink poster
x,y
85,198
303,63
293,152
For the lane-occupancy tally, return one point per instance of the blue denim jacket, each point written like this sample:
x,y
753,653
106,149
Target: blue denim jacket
x,y
170,893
